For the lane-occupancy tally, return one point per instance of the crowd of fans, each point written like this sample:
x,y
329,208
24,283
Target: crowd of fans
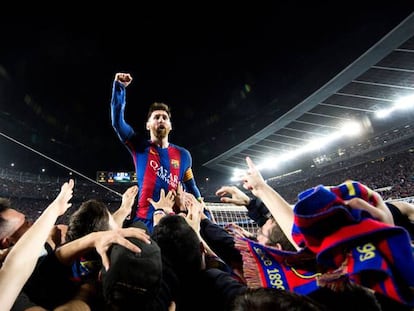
x,y
31,192
301,258
391,175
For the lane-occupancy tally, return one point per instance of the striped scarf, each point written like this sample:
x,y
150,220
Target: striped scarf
x,y
342,241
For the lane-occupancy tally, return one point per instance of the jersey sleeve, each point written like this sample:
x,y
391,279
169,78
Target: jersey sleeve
x,y
190,184
188,178
118,102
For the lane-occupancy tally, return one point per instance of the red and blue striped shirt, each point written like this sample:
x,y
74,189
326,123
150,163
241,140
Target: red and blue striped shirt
x,y
156,168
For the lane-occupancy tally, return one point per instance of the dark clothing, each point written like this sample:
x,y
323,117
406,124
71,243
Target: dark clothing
x,y
257,211
22,303
220,241
388,304
400,219
169,287
50,284
211,289
223,288
53,283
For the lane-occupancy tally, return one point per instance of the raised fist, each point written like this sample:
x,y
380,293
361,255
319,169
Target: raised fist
x,y
124,78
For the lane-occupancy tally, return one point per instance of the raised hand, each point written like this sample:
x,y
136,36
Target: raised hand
x,y
166,201
124,211
237,196
124,78
195,210
104,239
62,200
253,180
128,197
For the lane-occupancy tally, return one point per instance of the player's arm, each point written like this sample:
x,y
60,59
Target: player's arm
x,y
118,103
190,184
188,176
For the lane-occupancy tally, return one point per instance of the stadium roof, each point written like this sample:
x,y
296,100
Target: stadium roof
x,y
373,81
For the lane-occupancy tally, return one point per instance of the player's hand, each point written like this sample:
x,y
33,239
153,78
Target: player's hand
x,y
124,78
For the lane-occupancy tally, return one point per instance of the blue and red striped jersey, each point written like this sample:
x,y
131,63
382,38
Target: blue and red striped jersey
x,y
156,168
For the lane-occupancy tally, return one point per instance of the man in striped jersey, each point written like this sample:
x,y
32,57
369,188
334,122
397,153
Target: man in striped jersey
x,y
159,164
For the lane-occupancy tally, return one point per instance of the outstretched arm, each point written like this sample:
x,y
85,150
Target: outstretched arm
x,y
256,210
407,209
280,209
128,199
21,260
193,218
379,212
118,102
101,241
236,197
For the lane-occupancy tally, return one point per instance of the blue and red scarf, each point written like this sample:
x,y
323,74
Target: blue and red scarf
x,y
369,252
265,266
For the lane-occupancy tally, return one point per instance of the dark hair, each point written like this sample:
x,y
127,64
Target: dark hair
x,y
92,216
342,294
132,277
5,204
277,236
122,300
180,244
159,106
270,299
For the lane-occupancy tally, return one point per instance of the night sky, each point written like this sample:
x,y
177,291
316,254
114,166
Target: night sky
x,y
226,73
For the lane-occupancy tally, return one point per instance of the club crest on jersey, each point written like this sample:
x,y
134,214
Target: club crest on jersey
x,y
175,163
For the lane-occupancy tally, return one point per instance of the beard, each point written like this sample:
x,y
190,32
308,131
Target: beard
x,y
161,132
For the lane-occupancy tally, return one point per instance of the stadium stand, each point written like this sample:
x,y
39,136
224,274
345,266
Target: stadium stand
x,y
390,173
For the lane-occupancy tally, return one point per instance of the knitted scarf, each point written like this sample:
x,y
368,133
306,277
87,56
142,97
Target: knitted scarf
x,y
342,242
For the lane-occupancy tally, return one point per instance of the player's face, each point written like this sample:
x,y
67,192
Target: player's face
x,y
159,124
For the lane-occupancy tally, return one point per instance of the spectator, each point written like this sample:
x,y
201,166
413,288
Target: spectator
x,y
133,278
21,260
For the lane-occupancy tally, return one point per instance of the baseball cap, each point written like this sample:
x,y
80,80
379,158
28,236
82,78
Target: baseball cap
x,y
131,276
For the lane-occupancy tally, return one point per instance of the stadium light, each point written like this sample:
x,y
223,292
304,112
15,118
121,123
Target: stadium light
x,y
403,103
350,128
